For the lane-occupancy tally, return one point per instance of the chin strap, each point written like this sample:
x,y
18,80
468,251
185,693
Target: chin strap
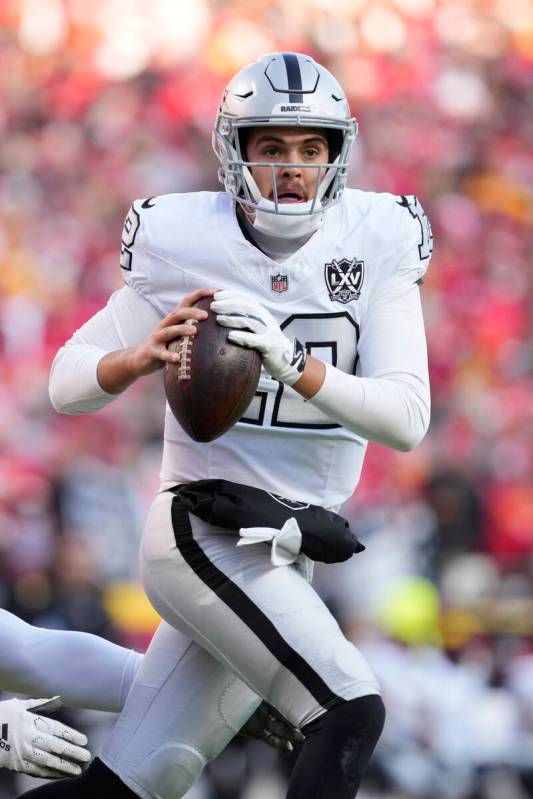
x,y
295,220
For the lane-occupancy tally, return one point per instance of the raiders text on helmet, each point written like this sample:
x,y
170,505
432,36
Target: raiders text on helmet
x,y
287,89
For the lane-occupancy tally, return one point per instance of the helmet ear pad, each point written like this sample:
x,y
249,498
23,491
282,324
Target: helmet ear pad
x,y
335,141
244,136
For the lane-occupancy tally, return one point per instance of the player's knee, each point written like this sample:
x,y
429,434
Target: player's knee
x,y
359,720
170,770
367,718
369,715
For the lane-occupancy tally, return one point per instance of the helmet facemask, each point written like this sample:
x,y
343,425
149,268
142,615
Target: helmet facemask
x,y
236,176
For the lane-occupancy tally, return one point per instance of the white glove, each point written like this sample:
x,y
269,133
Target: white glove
x,y
286,543
283,358
37,745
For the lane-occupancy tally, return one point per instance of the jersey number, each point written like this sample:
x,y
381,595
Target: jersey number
x,y
331,337
425,248
129,231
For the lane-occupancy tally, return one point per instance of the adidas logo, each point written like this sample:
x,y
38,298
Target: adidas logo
x,y
3,738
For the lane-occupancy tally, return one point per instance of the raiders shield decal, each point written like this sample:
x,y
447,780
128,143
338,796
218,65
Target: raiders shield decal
x,y
344,279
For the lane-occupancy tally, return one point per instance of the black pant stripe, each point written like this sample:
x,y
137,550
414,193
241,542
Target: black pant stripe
x,y
244,608
294,78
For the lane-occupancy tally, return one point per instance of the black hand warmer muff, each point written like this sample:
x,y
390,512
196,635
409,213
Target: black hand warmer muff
x,y
326,536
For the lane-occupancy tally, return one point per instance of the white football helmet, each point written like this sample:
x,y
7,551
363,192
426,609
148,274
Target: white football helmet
x,y
283,89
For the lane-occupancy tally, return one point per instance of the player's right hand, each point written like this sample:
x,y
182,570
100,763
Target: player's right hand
x,y
152,353
36,745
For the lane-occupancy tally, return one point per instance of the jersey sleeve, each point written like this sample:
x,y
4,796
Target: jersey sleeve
x,y
416,239
133,255
155,253
388,401
124,322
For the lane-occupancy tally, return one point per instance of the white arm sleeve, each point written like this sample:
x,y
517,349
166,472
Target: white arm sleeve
x,y
85,670
389,400
125,321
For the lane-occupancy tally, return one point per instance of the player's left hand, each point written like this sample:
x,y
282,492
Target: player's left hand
x,y
36,745
269,726
283,358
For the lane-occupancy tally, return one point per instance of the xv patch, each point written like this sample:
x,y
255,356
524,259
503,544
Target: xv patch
x,y
344,279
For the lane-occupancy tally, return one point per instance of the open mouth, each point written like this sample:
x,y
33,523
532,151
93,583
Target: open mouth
x,y
290,196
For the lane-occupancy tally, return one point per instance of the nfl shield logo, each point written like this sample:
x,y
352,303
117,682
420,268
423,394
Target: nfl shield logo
x,y
279,282
344,279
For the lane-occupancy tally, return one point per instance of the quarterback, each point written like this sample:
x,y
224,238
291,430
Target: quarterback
x,y
323,281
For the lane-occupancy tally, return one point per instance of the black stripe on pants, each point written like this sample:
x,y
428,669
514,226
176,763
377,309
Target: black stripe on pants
x,y
241,604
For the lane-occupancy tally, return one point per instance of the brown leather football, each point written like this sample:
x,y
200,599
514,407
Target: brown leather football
x,y
213,383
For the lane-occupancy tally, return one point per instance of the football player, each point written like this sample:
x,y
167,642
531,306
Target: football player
x,y
323,282
79,670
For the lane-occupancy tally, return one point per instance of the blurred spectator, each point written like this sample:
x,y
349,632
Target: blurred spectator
x,y
457,513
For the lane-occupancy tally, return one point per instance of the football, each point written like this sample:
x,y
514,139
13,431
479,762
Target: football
x,y
213,382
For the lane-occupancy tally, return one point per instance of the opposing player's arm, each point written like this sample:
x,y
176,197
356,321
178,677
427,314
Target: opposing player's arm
x,y
85,670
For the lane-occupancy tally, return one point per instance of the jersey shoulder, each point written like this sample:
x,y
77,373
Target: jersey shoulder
x,y
158,237
395,227
157,223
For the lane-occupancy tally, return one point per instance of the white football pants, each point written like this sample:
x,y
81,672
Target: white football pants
x,y
240,631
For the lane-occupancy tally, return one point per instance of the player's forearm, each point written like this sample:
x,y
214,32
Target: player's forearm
x,y
85,378
118,370
393,409
85,670
312,378
78,383
74,387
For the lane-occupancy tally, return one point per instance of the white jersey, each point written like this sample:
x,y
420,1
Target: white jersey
x,y
322,294
349,294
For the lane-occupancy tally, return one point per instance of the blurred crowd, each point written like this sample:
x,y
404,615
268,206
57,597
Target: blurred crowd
x,y
107,101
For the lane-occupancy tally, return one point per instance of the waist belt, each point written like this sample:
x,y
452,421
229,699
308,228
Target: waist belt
x,y
326,536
